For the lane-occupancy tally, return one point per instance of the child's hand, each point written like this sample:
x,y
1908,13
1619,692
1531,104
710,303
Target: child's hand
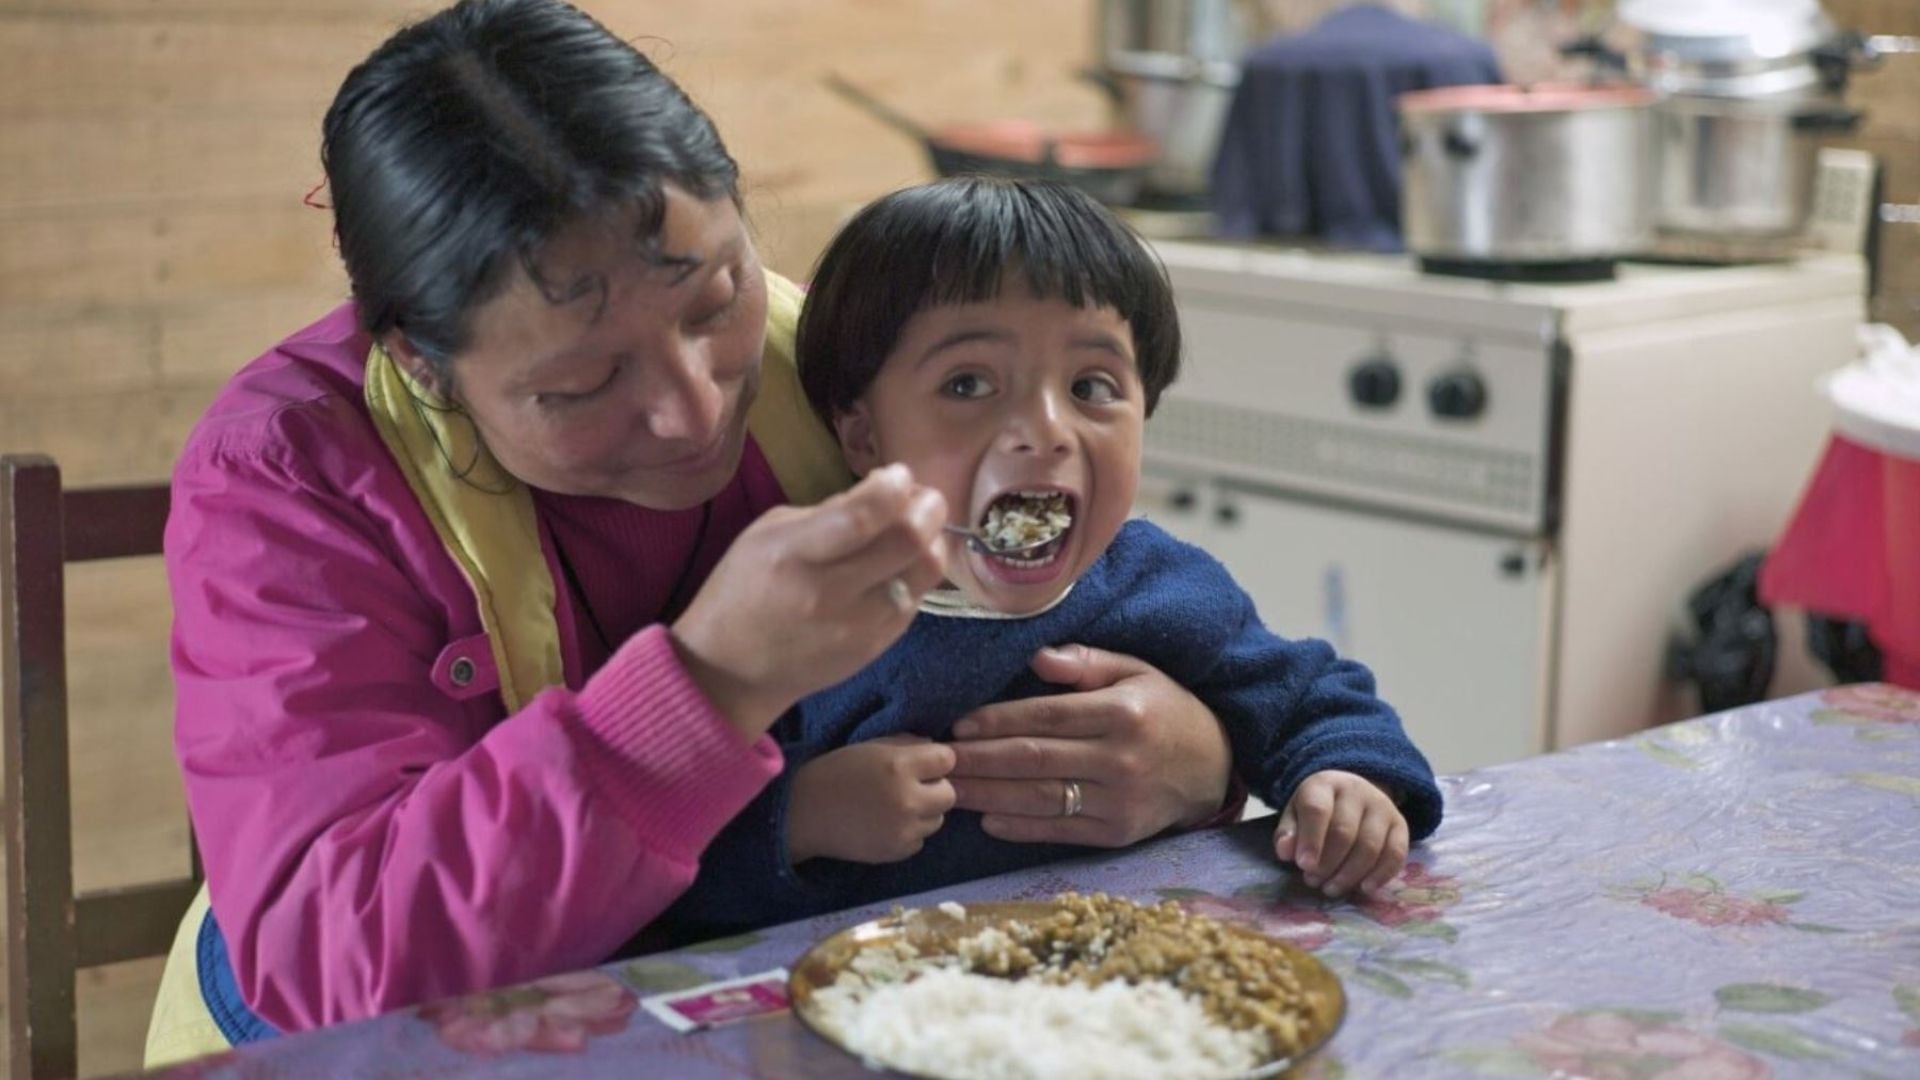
x,y
872,802
1342,830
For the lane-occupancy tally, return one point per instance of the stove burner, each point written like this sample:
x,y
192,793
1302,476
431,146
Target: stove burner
x,y
1573,270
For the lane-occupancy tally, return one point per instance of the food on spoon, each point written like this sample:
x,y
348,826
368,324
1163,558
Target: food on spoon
x,y
1021,519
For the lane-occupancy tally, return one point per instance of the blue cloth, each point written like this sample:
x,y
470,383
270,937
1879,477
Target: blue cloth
x,y
1290,709
221,991
1311,144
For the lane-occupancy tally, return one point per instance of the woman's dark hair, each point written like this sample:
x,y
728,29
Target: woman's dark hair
x,y
468,140
956,241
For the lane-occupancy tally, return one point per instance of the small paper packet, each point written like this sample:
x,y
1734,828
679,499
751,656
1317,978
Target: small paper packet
x,y
716,1003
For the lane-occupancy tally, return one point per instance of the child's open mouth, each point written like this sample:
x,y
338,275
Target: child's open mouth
x,y
1016,521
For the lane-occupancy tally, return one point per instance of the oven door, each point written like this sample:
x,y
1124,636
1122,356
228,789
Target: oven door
x,y
1455,623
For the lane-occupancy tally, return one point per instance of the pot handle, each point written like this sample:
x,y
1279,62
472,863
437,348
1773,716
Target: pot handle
x,y
1840,56
1105,81
887,114
1591,47
1833,120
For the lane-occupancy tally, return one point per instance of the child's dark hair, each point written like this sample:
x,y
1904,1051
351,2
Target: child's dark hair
x,y
954,242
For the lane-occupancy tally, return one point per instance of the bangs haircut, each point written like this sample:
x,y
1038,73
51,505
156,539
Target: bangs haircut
x,y
961,241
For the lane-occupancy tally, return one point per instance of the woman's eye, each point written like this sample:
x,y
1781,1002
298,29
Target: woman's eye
x,y
966,386
556,398
715,316
1096,389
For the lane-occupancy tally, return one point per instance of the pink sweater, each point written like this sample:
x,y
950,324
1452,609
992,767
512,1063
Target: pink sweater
x,y
376,830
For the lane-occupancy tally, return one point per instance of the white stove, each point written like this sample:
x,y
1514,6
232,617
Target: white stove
x,y
1496,495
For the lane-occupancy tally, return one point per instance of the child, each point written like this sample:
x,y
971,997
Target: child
x,y
1006,341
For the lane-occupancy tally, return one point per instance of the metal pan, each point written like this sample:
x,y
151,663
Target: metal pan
x,y
1109,165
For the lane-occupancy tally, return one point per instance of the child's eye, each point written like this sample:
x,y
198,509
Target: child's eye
x,y
966,386
1096,389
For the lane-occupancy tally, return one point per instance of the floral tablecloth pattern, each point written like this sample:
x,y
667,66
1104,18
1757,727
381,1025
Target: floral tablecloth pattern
x,y
1731,897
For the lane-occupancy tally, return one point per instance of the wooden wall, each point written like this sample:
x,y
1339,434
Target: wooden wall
x,y
1891,96
153,159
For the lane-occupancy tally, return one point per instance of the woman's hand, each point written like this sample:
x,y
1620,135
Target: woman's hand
x,y
1342,830
871,802
1146,755
806,596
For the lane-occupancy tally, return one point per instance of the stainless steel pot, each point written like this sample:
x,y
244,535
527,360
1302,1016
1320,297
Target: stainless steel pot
x,y
1171,67
1741,168
1747,93
1511,174
1180,104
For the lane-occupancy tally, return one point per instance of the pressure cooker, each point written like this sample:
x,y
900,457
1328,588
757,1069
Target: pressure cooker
x,y
1747,90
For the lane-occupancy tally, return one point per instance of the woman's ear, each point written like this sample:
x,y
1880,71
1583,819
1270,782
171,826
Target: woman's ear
x,y
854,428
418,367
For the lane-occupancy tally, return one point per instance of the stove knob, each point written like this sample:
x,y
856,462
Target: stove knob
x,y
1457,395
1375,383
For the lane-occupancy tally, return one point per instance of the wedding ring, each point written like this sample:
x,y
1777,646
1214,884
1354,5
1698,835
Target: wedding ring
x,y
1070,799
900,595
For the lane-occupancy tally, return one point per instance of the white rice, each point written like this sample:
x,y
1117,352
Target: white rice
x,y
959,1025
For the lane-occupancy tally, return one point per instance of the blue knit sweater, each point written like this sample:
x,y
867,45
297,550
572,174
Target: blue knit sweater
x,y
1290,709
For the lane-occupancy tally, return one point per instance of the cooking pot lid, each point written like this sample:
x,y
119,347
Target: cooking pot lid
x,y
1728,31
1876,400
1537,98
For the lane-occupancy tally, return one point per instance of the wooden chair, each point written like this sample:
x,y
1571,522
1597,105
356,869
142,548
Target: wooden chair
x,y
51,933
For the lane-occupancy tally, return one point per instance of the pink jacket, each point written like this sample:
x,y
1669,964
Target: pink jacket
x,y
376,831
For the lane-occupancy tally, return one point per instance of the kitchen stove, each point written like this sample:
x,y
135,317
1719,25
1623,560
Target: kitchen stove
x,y
1496,495
1568,270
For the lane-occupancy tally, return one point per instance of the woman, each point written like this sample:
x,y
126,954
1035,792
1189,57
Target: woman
x,y
488,585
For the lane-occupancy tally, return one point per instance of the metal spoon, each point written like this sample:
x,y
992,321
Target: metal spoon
x,y
983,546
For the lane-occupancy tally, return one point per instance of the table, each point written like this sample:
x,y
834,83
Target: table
x,y
1736,896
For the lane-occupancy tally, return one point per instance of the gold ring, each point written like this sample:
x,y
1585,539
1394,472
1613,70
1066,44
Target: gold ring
x,y
900,595
1070,799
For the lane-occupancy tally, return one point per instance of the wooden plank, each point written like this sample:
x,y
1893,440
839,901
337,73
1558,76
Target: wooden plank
x,y
791,235
121,437
111,393
299,11
1890,94
268,146
38,815
128,811
115,925
155,66
115,522
205,343
115,1005
52,359
907,54
1898,298
55,164
127,257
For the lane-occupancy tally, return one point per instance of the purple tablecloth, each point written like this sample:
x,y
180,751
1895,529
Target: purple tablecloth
x,y
1732,897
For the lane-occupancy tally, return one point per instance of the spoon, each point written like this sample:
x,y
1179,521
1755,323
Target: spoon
x,y
985,547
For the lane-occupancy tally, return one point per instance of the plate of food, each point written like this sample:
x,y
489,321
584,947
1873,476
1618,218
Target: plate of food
x,y
1080,985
